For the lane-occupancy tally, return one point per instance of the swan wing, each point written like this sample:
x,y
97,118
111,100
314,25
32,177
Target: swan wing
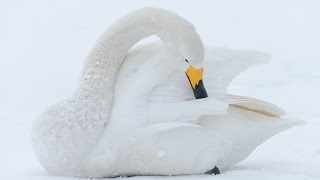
x,y
156,81
223,65
166,90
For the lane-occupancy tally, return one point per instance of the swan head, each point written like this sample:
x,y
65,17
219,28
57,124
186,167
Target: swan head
x,y
186,45
195,76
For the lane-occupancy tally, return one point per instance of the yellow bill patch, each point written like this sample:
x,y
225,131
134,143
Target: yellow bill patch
x,y
194,75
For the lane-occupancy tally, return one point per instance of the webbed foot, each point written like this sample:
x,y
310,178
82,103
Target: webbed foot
x,y
214,171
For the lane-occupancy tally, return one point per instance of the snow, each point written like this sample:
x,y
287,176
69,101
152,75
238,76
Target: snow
x,y
161,154
43,45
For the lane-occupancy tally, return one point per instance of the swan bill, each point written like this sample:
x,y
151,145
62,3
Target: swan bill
x,y
195,78
199,91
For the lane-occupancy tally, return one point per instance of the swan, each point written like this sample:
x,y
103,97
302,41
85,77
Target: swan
x,y
156,109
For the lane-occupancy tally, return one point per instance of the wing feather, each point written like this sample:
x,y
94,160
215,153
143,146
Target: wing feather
x,y
255,105
223,65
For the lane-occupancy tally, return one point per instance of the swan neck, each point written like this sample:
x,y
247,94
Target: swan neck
x,y
105,59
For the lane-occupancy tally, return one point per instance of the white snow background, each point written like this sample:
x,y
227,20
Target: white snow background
x,y
43,45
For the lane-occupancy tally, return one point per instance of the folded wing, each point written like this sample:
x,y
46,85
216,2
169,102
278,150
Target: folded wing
x,y
172,99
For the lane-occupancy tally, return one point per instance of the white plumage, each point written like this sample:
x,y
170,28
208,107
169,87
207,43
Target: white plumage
x,y
135,114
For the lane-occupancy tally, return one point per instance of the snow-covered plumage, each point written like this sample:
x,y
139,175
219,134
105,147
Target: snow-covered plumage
x,y
134,113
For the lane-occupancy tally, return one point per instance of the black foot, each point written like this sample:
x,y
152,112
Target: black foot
x,y
214,171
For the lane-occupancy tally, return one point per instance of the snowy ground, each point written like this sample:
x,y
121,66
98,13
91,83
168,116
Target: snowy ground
x,y
43,44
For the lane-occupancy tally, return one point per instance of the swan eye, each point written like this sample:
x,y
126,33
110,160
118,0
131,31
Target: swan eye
x,y
187,61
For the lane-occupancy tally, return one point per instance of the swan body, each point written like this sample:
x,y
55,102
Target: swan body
x,y
134,112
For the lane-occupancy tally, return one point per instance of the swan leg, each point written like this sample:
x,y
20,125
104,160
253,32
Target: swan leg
x,y
214,171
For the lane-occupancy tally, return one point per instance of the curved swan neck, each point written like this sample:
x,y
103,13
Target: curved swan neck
x,y
105,59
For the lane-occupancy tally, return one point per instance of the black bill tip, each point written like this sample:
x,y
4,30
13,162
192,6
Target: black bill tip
x,y
199,91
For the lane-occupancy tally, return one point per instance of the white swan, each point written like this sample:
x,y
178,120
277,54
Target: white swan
x,y
135,113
